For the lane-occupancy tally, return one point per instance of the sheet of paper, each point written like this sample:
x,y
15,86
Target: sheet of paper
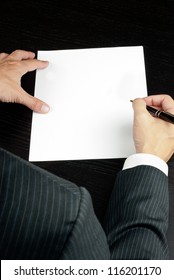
x,y
89,91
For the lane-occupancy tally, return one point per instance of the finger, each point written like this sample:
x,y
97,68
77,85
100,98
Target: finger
x,y
162,102
3,55
34,103
139,106
141,114
20,55
31,65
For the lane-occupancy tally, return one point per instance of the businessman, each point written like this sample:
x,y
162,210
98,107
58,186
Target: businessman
x,y
43,216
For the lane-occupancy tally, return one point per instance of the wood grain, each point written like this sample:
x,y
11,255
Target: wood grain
x,y
48,25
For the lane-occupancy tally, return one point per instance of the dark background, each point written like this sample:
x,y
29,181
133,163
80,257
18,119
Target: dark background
x,y
54,24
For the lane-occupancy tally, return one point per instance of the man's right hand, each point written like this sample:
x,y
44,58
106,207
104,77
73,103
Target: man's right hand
x,y
151,134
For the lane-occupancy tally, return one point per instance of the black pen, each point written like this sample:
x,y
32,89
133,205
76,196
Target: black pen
x,y
160,114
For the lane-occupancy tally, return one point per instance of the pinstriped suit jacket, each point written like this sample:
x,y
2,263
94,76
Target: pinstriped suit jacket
x,y
45,217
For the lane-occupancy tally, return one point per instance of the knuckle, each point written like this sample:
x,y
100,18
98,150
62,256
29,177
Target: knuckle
x,y
16,55
19,98
14,63
16,52
35,104
3,54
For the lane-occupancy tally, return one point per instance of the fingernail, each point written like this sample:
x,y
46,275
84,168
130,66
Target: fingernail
x,y
45,61
44,109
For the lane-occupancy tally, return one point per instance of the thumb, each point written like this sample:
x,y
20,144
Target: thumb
x,y
35,104
139,106
141,114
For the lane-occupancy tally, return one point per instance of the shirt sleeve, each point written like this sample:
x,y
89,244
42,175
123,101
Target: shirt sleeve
x,y
146,159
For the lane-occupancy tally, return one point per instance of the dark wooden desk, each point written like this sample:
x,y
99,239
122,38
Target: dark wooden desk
x,y
54,24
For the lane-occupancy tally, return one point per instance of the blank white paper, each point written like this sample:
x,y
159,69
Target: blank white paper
x,y
89,92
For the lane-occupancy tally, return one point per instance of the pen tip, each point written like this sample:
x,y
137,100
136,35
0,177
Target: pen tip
x,y
131,100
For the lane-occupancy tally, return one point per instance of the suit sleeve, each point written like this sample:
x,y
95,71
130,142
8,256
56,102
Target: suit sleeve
x,y
43,216
87,239
136,220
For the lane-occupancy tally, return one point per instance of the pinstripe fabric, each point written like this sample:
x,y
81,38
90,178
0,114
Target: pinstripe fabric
x,y
137,217
36,213
45,217
88,240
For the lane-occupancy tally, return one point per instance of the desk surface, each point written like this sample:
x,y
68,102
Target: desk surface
x,y
74,24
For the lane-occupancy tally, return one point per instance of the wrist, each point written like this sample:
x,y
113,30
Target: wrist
x,y
157,150
146,159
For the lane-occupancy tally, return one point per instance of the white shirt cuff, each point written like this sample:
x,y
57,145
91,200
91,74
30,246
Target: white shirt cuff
x,y
146,159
